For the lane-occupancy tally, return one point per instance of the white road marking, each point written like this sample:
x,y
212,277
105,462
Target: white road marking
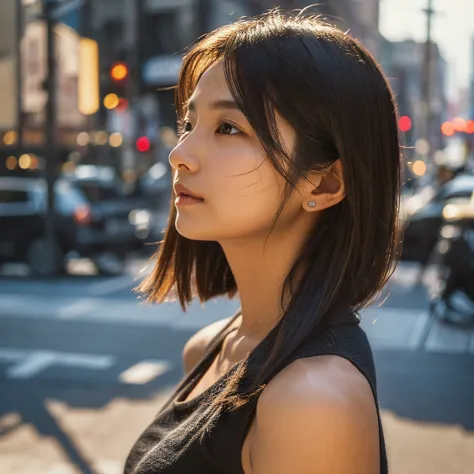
x,y
144,372
31,363
111,286
446,339
78,308
394,328
10,355
471,344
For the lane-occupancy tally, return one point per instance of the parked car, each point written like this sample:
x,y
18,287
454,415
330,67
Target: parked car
x,y
451,285
155,185
103,226
423,215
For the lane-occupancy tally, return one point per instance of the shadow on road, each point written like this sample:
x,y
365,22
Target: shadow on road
x,y
29,401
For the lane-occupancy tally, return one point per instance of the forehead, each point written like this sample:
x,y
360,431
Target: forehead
x,y
212,84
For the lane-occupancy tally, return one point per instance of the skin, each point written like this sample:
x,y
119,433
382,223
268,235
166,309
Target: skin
x,y
318,408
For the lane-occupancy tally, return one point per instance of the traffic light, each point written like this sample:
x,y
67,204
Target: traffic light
x,y
143,144
404,123
115,90
119,72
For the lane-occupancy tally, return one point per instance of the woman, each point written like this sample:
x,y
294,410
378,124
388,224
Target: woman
x,y
286,187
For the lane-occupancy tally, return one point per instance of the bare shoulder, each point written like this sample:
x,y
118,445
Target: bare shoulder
x,y
198,344
318,415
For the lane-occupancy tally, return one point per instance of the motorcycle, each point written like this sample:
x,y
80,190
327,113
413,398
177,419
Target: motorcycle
x,y
450,282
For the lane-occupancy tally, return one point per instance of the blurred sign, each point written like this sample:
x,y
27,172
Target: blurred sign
x,y
8,87
88,77
8,26
162,70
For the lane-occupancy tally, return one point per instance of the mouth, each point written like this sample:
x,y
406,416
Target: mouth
x,y
186,196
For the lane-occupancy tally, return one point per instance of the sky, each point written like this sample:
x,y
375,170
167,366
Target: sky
x,y
452,29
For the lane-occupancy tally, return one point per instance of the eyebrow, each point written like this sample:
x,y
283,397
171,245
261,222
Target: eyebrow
x,y
223,104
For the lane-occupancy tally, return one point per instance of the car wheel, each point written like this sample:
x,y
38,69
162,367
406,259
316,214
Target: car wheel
x,y
44,260
109,264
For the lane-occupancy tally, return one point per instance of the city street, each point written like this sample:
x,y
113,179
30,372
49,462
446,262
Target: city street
x,y
84,367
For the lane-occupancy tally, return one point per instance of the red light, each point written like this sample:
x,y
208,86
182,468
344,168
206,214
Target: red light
x,y
122,105
404,123
82,215
459,124
447,128
143,144
470,126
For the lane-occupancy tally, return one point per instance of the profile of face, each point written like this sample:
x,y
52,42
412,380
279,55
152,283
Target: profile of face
x,y
220,159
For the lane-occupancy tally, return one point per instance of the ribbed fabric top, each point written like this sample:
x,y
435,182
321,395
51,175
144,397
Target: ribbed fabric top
x,y
170,445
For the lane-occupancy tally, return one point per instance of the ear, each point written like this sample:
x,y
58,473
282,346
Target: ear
x,y
328,189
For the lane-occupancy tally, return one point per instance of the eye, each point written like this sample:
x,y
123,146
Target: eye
x,y
226,128
184,126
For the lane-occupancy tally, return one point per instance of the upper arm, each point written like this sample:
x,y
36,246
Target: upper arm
x,y
198,344
313,421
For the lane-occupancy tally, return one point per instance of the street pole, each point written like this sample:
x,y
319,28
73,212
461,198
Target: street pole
x,y
51,152
204,9
133,54
18,73
426,75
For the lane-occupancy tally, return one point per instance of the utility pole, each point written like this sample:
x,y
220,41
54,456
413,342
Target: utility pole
x,y
19,74
203,13
426,75
133,28
51,151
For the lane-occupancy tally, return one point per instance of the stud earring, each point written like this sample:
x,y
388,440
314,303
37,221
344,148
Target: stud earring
x,y
311,204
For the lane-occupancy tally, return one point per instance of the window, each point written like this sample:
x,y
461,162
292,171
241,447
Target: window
x,y
13,196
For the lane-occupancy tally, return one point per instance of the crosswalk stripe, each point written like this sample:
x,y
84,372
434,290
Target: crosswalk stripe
x,y
28,363
144,372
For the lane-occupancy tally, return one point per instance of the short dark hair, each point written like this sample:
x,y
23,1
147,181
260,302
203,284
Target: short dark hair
x,y
331,91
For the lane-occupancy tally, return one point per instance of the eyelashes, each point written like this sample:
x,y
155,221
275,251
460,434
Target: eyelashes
x,y
225,127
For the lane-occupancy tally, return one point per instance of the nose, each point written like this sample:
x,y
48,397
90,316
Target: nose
x,y
183,158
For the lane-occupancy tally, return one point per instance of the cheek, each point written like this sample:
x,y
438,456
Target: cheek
x,y
243,198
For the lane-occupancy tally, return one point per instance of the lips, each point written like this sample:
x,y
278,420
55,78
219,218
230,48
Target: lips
x,y
182,190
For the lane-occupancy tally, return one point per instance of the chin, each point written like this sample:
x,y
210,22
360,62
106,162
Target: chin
x,y
193,230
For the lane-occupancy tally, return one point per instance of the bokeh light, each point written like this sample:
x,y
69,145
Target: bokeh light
x,y
143,144
25,161
115,140
83,139
459,124
119,72
111,101
101,138
447,128
419,168
11,163
404,123
10,138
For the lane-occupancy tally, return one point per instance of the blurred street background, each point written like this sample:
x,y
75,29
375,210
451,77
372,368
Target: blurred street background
x,y
86,124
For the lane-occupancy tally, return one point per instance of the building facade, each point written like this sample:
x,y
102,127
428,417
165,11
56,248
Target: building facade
x,y
403,63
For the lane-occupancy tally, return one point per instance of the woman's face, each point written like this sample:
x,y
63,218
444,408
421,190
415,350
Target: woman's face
x,y
220,160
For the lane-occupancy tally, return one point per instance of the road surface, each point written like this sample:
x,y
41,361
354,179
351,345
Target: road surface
x,y
84,367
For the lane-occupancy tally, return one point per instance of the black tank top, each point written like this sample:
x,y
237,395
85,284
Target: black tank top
x,y
169,444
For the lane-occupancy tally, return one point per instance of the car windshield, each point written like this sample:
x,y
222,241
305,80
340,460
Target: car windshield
x,y
99,191
461,186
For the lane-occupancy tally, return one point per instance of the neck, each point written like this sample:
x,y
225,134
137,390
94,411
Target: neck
x,y
260,268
